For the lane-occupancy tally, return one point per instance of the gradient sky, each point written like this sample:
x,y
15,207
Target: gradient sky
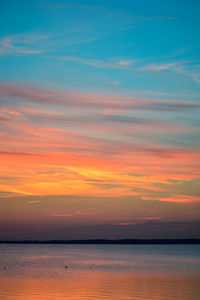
x,y
99,119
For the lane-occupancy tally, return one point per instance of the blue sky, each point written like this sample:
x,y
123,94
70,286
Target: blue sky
x,y
128,47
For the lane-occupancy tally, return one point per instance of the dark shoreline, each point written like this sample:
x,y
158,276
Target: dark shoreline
x,y
112,242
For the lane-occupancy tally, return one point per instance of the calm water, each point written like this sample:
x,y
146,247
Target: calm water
x,y
106,272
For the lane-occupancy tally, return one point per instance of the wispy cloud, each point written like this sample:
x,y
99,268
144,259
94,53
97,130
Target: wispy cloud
x,y
158,67
117,64
189,71
179,67
60,215
45,128
125,224
123,13
22,44
187,68
80,213
180,199
138,221
57,5
124,62
40,95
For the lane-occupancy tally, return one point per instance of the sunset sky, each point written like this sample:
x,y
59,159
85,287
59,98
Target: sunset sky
x,y
99,119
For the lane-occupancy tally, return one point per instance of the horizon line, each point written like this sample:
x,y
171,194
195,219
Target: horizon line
x,y
107,241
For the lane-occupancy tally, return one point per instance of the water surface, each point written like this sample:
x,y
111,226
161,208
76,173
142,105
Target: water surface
x,y
97,272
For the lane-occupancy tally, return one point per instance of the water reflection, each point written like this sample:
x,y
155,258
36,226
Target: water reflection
x,y
103,285
39,273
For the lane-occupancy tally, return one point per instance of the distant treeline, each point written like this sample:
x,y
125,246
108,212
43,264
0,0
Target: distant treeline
x,y
111,242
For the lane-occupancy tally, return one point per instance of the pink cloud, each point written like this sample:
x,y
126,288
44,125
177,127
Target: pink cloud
x,y
84,213
125,224
138,221
88,100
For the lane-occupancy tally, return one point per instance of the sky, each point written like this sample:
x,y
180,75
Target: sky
x,y
99,119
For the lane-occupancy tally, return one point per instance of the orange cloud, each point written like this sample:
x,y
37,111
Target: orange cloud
x,y
181,199
80,212
60,215
75,148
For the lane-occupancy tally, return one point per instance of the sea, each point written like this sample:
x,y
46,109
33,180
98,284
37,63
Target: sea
x,y
99,272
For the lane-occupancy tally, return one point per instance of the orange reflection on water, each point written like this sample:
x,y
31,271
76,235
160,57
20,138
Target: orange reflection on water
x,y
77,285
